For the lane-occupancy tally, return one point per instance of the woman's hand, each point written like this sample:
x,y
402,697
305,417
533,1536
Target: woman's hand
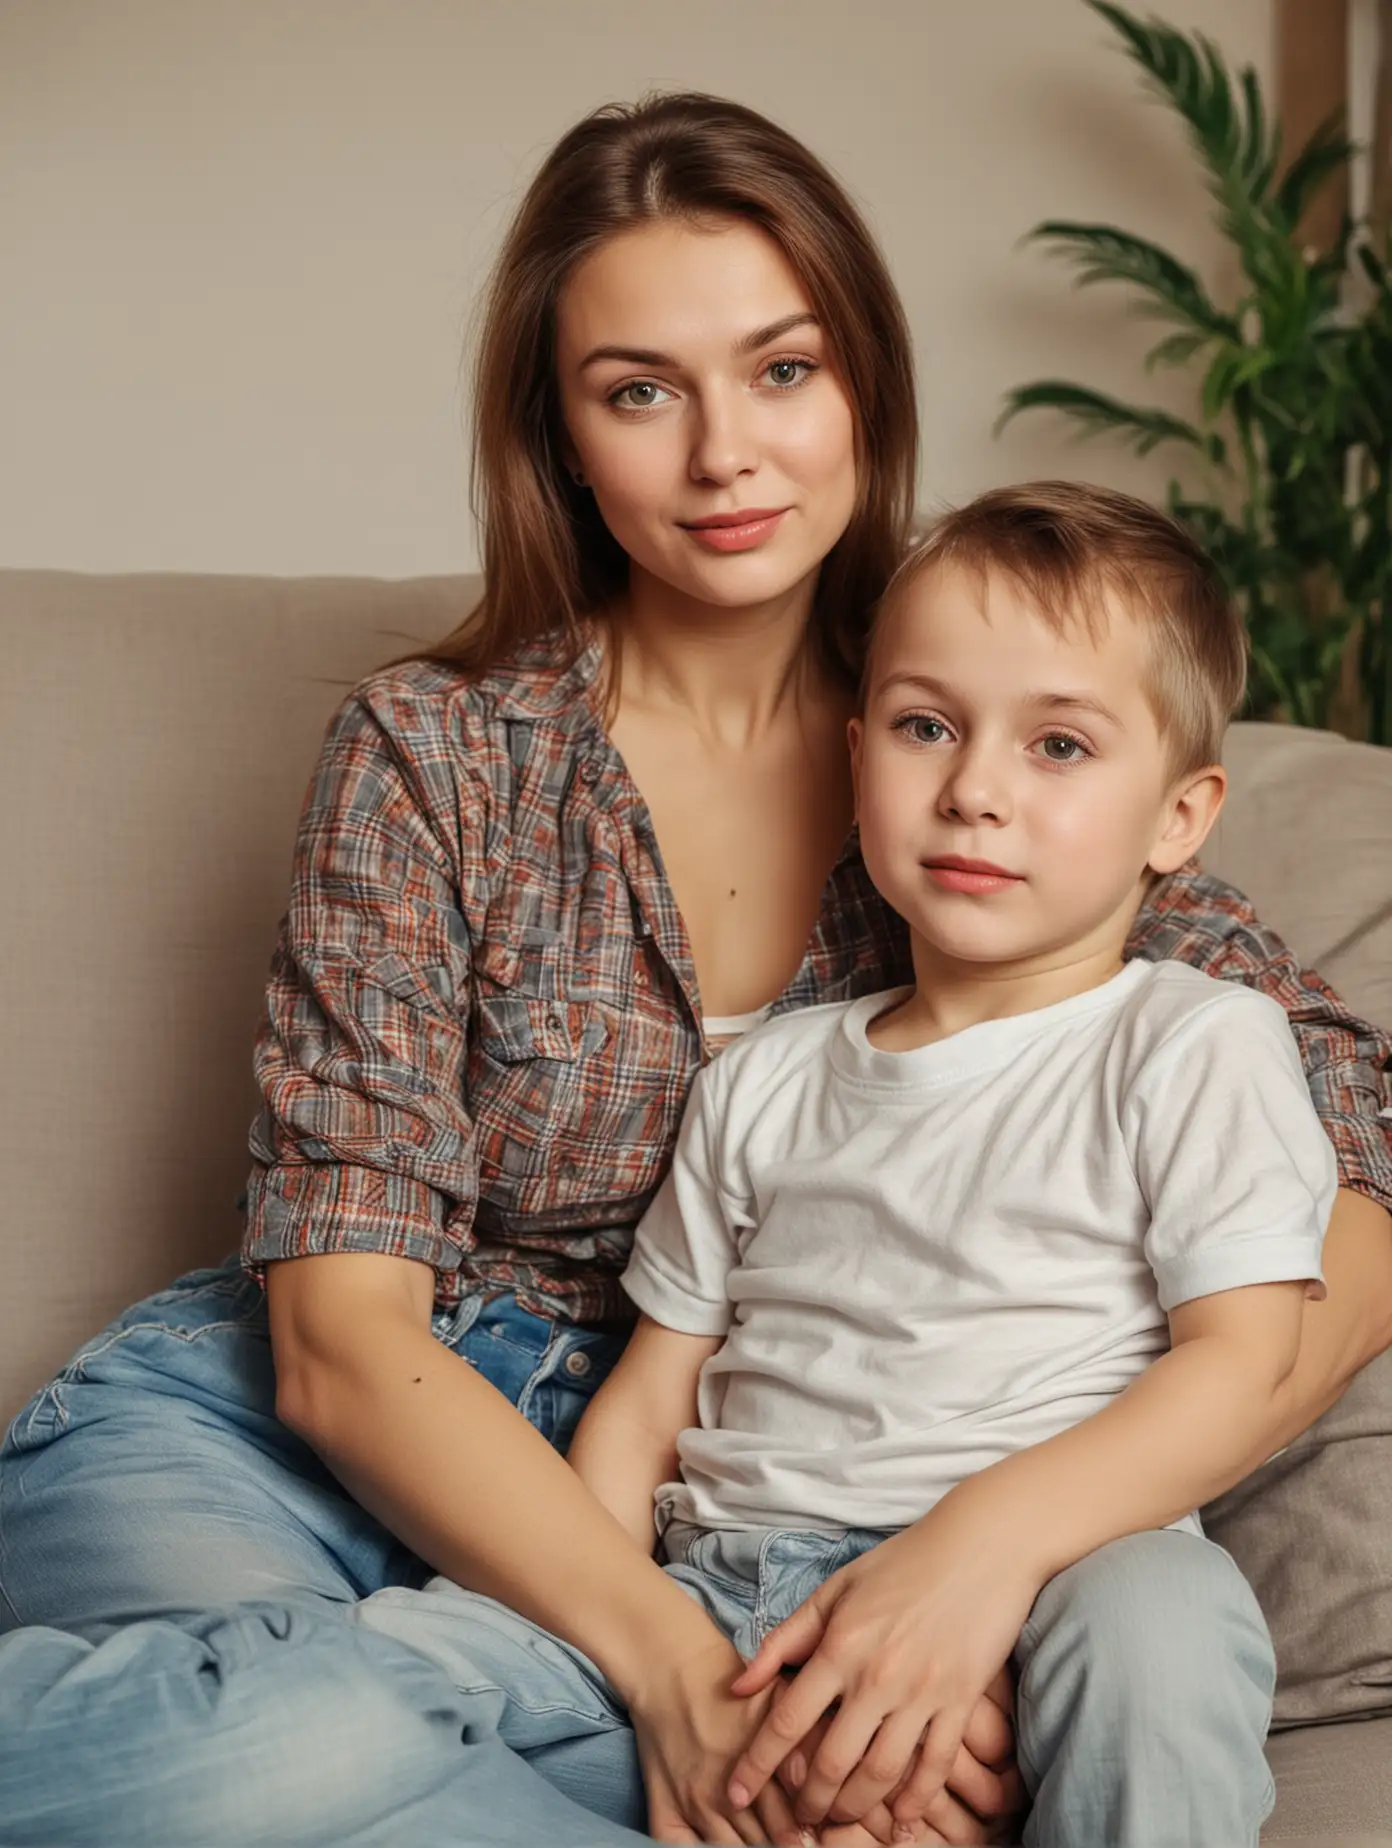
x,y
690,1729
907,1638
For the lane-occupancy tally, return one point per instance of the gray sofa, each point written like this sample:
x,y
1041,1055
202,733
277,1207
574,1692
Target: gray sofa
x,y
156,735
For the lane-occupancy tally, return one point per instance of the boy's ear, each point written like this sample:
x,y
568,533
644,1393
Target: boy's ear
x,y
1190,812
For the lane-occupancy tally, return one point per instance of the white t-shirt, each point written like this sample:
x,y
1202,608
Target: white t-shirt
x,y
924,1261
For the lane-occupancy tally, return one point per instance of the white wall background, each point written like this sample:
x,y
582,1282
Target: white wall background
x,y
240,240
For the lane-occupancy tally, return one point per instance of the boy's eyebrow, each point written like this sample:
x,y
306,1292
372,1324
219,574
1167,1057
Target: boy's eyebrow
x,y
1074,702
1051,702
748,343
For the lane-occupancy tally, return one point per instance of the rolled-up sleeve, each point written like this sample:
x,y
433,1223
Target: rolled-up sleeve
x,y
1196,918
364,1142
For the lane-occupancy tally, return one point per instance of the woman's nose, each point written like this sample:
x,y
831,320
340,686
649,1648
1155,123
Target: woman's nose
x,y
723,445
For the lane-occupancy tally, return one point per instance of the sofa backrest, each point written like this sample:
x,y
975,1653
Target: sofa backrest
x,y
157,734
156,737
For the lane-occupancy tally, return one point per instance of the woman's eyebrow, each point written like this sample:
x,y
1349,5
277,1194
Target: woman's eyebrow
x,y
749,343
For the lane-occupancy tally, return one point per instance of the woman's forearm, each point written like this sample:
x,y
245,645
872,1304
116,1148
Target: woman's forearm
x,y
1353,1325
452,1469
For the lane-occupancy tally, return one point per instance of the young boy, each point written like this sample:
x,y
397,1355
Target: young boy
x,y
959,1300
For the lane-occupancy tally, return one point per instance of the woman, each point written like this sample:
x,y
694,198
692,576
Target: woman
x,y
539,876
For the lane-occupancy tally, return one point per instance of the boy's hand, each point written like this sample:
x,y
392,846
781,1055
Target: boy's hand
x,y
906,1638
984,1800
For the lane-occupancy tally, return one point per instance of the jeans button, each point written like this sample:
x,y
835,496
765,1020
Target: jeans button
x,y
577,1364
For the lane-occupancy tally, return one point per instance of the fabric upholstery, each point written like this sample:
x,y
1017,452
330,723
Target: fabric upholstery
x,y
157,735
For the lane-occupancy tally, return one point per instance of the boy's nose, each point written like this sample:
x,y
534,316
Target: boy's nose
x,y
974,793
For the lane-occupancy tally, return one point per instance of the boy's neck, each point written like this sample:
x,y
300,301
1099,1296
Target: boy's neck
x,y
949,996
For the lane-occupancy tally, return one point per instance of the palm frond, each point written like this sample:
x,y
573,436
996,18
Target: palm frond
x,y
1105,254
1192,75
1175,349
1327,151
1144,428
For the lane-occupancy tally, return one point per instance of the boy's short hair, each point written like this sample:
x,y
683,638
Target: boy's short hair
x,y
1066,543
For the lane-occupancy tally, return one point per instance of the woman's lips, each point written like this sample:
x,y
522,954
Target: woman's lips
x,y
739,532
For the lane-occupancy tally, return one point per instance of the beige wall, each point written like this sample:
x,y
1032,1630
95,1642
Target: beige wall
x,y
241,239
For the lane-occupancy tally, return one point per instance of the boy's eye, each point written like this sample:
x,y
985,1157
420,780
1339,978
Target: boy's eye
x,y
921,728
1059,748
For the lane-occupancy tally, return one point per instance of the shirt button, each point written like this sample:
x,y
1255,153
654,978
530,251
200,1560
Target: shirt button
x,y
589,771
577,1365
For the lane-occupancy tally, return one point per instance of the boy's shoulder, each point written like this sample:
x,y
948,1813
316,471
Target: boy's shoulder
x,y
1173,994
1177,1007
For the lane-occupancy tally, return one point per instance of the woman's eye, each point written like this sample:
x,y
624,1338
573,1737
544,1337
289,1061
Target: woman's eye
x,y
787,373
639,395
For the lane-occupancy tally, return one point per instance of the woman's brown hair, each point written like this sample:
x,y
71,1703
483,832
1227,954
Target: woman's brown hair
x,y
549,561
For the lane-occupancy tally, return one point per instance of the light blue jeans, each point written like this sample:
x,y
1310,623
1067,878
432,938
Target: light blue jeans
x,y
1146,1677
198,1668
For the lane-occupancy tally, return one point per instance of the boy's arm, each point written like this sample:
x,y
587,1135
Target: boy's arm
x,y
625,1446
1199,1419
906,1637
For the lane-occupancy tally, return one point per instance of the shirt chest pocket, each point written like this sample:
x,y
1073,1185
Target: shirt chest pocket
x,y
517,1029
535,1063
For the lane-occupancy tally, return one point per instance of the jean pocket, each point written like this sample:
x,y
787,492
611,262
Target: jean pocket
x,y
570,1372
205,1339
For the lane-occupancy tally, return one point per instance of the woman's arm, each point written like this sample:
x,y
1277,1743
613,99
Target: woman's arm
x,y
1353,1325
366,1181
1193,917
449,1466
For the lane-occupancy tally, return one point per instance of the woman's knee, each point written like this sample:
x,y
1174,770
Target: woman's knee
x,y
151,1478
270,1724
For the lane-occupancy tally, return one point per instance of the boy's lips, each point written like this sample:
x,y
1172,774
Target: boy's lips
x,y
955,874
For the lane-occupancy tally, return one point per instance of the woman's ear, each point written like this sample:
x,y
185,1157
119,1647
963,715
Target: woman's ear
x,y
1191,809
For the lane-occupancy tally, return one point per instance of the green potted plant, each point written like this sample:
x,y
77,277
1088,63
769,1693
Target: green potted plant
x,y
1290,443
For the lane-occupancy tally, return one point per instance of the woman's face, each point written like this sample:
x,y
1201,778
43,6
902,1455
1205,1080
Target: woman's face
x,y
702,405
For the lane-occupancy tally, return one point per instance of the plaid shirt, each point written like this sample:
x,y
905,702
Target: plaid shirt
x,y
482,1017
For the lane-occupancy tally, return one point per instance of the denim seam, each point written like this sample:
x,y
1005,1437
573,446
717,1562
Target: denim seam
x,y
761,1586
547,1362
455,1327
76,1370
699,1559
5,1599
603,1714
520,1347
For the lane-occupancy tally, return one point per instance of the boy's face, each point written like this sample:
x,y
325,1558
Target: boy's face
x,y
987,738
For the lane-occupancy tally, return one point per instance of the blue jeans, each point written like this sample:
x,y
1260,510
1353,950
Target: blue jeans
x,y
1146,1676
198,1669
185,1567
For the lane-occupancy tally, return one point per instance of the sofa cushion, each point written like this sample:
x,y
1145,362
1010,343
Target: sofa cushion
x,y
1333,1785
1312,1532
1307,834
